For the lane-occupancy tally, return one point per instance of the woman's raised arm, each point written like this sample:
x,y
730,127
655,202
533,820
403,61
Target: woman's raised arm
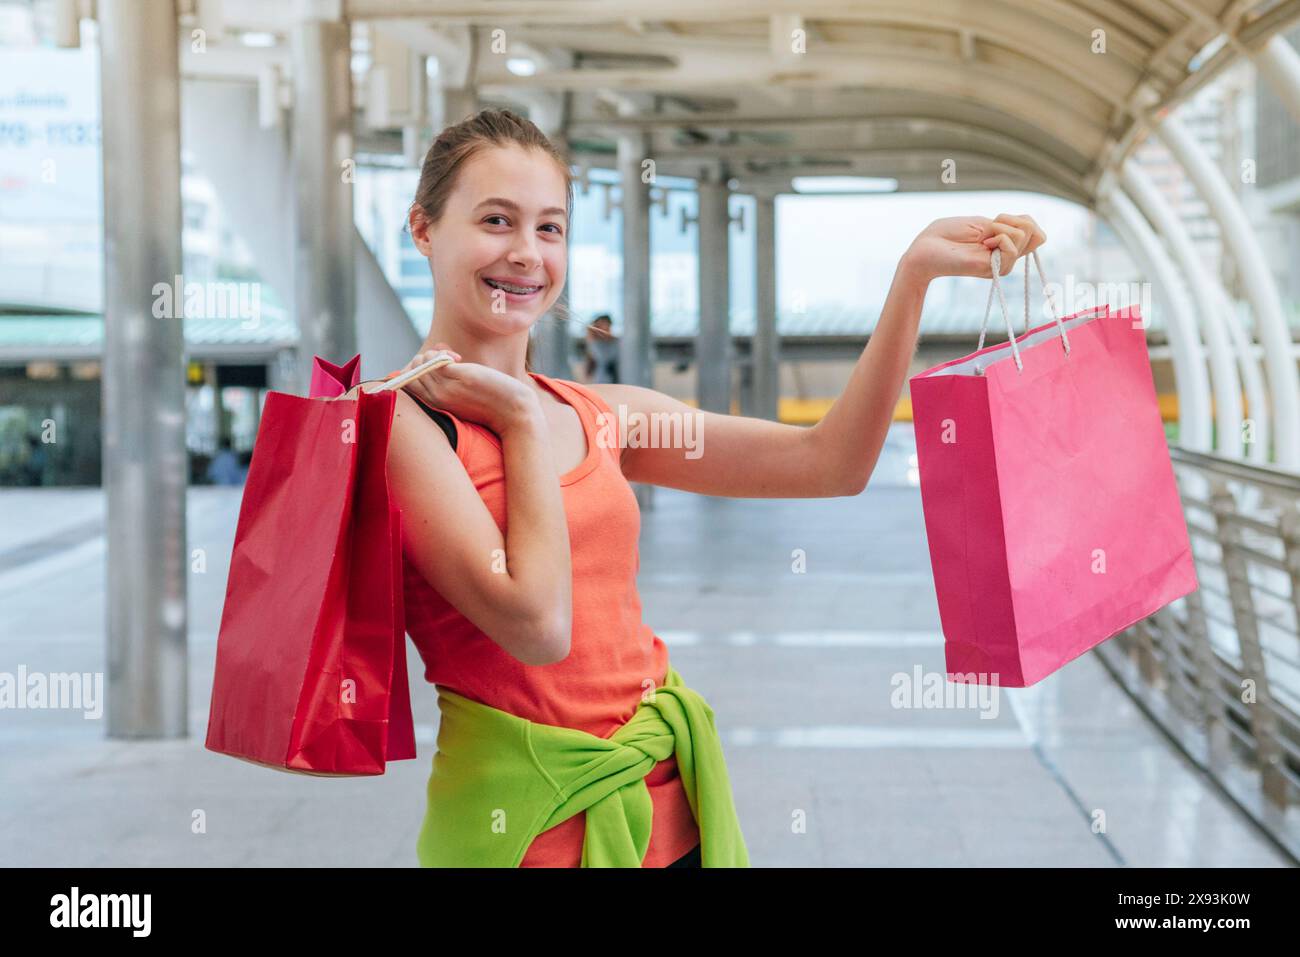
x,y
742,457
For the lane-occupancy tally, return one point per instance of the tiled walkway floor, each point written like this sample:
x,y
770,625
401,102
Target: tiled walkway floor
x,y
808,672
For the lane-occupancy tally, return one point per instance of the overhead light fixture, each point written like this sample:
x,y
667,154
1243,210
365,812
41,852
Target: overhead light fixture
x,y
844,184
253,39
521,66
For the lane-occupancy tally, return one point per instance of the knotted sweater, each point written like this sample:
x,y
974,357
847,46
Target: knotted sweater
x,y
499,780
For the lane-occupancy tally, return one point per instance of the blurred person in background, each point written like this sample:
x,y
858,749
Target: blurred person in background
x,y
36,459
224,469
602,350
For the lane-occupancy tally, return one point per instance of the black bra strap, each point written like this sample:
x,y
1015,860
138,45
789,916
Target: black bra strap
x,y
444,423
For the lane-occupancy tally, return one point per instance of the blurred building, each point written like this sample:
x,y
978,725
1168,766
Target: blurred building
x,y
51,330
51,262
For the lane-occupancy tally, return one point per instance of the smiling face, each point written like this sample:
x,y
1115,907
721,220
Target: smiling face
x,y
500,249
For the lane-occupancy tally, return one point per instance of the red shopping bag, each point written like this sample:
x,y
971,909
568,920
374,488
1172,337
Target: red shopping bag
x,y
1051,508
311,656
329,380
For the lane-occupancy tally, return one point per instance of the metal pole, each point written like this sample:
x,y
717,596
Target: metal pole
x,y
766,351
635,353
635,346
1212,302
713,341
323,168
145,463
1192,384
551,334
1240,239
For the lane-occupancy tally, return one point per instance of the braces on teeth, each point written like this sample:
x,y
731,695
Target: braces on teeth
x,y
495,284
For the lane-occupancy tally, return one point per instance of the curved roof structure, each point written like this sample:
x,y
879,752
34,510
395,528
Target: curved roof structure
x,y
1040,95
1027,94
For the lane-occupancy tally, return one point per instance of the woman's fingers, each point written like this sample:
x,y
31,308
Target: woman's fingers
x,y
1019,237
422,357
1007,246
1036,236
1015,236
424,385
419,359
1036,232
420,386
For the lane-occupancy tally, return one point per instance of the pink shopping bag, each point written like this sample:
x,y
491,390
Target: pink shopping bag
x,y
1051,509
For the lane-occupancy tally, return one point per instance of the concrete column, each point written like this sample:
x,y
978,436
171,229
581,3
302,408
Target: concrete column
x,y
1222,332
1191,382
282,371
635,345
765,352
552,335
713,341
323,169
636,348
1239,239
145,464
454,94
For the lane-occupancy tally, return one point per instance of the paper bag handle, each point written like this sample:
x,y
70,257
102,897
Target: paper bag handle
x,y
442,358
996,263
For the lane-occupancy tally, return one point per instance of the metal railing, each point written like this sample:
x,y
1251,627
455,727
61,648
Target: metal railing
x,y
1220,668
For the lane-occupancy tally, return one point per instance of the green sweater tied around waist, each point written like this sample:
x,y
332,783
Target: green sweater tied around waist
x,y
499,780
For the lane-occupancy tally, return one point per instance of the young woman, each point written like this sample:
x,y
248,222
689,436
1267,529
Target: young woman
x,y
560,710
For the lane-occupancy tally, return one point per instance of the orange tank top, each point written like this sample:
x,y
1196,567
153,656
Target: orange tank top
x,y
614,656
